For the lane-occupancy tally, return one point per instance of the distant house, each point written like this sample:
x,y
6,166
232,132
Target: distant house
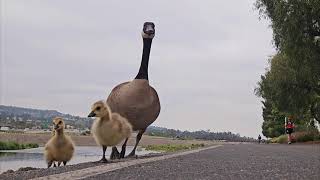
x,y
69,126
4,128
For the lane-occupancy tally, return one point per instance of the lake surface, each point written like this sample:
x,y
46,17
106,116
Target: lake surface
x,y
15,159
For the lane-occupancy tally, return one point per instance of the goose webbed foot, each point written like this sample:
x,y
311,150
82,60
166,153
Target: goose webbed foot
x,y
138,138
103,160
115,153
122,154
132,155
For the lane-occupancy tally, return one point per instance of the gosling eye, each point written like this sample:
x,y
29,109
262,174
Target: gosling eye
x,y
98,108
60,122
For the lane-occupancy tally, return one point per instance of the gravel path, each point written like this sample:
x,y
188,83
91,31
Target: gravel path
x,y
239,161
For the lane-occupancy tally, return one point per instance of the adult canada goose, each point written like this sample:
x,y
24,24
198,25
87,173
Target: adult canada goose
x,y
108,129
60,147
137,100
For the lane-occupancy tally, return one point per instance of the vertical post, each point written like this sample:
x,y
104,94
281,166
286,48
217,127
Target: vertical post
x,y
285,121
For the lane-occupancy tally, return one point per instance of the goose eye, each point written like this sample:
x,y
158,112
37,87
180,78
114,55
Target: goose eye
x,y
98,108
60,122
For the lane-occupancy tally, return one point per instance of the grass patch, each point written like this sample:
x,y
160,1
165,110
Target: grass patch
x,y
298,137
172,147
280,139
16,146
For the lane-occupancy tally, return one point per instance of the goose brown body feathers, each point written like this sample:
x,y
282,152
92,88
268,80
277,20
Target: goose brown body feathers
x,y
137,101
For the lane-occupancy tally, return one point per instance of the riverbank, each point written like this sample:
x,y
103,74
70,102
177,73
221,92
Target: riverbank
x,y
81,140
13,160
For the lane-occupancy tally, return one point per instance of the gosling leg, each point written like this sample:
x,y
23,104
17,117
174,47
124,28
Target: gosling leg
x,y
103,159
114,153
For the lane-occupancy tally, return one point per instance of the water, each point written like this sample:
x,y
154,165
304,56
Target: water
x,y
15,159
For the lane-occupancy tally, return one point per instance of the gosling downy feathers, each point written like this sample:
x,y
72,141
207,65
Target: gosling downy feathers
x,y
108,129
60,147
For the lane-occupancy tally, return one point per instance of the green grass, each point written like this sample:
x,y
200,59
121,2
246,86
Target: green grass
x,y
172,147
15,146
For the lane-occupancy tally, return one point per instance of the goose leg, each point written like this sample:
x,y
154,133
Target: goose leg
x,y
103,159
59,163
114,153
138,138
50,163
64,163
123,149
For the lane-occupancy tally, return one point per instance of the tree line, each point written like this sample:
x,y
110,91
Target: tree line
x,y
202,134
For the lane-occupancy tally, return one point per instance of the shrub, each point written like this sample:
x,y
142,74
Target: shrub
x,y
306,136
32,145
15,146
298,137
282,139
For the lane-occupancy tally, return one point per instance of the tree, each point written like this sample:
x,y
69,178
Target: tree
x,y
292,82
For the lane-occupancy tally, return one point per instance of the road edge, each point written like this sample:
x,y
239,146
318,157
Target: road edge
x,y
93,171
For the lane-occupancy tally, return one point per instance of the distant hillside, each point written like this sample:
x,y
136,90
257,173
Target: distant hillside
x,y
34,113
20,117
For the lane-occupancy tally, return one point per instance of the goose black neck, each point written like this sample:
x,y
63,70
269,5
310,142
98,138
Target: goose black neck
x,y
143,71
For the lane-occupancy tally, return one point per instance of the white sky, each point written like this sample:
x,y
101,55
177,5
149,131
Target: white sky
x,y
206,58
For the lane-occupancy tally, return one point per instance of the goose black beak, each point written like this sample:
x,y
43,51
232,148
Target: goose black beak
x,y
92,114
56,127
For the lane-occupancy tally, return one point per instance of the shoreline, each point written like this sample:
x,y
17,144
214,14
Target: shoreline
x,y
83,165
87,140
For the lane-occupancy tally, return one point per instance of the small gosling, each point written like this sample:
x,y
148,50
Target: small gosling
x,y
60,147
109,128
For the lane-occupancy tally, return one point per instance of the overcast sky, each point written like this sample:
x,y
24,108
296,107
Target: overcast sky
x,y
206,58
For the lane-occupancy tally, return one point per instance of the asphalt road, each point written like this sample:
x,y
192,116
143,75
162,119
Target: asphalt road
x,y
239,161
232,162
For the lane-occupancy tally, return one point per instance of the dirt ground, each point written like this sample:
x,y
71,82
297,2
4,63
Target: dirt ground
x,y
81,140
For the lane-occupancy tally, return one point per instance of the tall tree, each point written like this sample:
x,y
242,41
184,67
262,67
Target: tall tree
x,y
293,80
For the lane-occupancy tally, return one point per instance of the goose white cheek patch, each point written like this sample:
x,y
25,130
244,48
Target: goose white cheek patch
x,y
144,35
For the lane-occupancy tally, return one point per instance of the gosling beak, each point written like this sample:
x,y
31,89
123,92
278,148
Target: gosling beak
x,y
92,114
56,127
